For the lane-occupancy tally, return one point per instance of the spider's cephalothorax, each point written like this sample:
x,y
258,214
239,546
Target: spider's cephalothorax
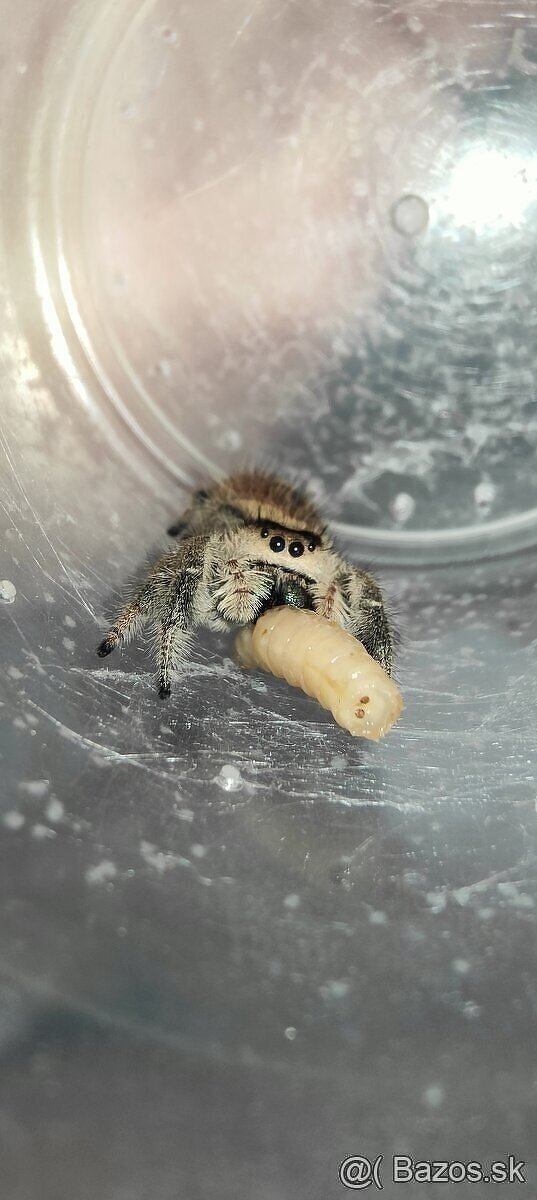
x,y
247,544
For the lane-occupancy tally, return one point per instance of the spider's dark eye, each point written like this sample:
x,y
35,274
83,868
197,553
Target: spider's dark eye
x,y
277,543
311,546
264,532
296,549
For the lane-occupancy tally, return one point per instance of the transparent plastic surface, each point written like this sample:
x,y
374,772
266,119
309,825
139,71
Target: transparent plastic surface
x,y
238,946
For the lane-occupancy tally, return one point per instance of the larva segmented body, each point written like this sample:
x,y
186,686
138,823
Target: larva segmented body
x,y
327,663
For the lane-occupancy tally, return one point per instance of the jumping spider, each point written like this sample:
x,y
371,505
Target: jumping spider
x,y
248,544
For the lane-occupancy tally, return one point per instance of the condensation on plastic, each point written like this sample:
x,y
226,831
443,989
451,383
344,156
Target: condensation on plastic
x,y
237,946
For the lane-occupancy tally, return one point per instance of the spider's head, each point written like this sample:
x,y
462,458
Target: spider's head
x,y
271,509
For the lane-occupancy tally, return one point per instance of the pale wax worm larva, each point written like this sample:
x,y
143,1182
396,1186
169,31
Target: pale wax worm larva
x,y
327,663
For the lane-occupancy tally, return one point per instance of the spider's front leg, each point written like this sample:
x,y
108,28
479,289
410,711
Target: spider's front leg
x,y
171,597
180,608
130,621
367,619
174,628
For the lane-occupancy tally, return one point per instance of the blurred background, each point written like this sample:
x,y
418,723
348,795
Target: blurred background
x,y
238,946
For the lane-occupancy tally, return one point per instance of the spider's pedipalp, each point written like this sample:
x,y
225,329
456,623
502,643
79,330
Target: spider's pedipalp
x,y
240,591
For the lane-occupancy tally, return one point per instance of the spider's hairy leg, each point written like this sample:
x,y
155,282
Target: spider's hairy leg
x,y
367,618
171,597
180,605
178,617
173,640
129,622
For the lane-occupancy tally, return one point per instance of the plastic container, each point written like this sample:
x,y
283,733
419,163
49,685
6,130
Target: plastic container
x,y
239,947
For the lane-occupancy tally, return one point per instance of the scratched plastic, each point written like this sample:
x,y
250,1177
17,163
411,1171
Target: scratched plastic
x,y
238,946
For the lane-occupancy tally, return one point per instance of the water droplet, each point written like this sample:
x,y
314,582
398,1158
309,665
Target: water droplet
x,y
402,507
484,493
230,778
410,215
434,1095
8,591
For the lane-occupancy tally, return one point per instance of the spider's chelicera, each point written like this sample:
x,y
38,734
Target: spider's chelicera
x,y
247,544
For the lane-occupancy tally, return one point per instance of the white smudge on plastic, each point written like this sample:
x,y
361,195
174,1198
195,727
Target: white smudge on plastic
x,y
335,989
376,917
102,872
55,810
436,901
160,860
471,1010
434,1095
13,820
42,832
514,896
37,788
461,966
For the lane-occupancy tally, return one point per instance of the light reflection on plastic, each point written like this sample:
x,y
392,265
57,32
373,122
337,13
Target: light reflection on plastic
x,y
58,342
489,189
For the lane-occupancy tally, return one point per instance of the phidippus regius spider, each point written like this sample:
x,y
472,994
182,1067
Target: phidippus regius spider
x,y
247,544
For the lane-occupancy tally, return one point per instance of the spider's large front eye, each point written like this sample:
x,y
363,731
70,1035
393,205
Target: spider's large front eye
x,y
264,532
296,549
277,543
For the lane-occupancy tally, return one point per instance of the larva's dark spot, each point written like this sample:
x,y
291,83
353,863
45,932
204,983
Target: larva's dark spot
x,y
360,712
364,699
